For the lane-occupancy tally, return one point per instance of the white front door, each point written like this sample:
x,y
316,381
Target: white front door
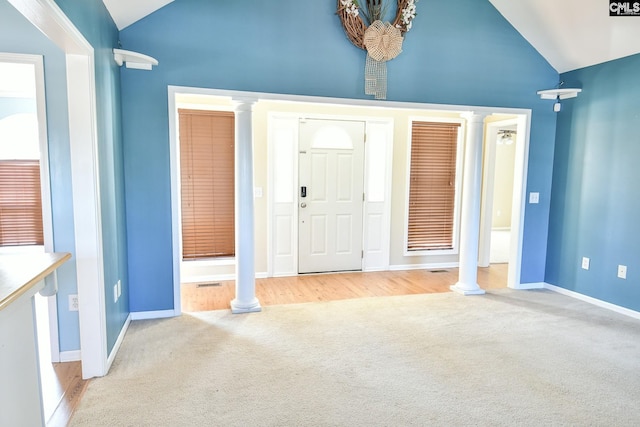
x,y
330,195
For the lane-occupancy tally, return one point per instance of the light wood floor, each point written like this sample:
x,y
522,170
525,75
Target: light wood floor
x,y
337,286
62,387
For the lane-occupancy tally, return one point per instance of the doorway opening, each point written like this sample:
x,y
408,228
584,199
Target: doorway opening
x,y
502,202
276,191
26,223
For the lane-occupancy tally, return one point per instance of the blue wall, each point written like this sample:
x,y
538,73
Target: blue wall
x,y
95,24
17,35
595,205
458,52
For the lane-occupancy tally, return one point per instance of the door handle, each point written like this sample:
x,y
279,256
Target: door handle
x,y
303,205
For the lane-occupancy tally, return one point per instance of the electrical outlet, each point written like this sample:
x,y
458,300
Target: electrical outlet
x,y
534,197
115,293
119,289
585,263
73,303
622,271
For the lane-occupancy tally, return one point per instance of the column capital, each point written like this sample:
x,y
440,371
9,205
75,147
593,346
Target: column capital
x,y
243,103
473,116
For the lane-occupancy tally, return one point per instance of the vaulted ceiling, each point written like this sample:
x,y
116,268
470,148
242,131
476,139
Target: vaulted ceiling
x,y
569,34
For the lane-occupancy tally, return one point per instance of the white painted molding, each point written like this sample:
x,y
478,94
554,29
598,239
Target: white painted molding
x,y
220,277
526,286
118,343
429,266
70,356
160,314
47,16
345,101
603,304
208,278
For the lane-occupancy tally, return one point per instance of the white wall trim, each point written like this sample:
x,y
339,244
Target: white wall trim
x,y
427,266
47,16
603,304
87,214
209,278
118,342
519,198
70,356
160,314
176,214
345,101
219,277
525,286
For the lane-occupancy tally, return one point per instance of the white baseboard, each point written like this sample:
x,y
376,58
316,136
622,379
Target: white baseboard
x,y
594,301
430,266
208,278
70,356
524,286
118,343
160,314
216,278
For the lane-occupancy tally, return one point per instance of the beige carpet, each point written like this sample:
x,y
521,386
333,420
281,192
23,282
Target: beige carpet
x,y
508,358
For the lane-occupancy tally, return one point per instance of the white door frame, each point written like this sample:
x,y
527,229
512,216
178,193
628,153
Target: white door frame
x,y
47,16
376,214
518,200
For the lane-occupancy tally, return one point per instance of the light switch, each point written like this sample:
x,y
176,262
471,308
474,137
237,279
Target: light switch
x,y
622,271
257,192
534,197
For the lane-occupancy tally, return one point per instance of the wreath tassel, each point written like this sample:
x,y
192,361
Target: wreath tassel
x,y
375,78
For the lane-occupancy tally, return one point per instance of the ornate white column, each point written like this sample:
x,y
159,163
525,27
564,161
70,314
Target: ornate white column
x,y
245,300
470,220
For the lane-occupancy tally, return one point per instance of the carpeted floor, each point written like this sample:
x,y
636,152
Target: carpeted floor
x,y
509,358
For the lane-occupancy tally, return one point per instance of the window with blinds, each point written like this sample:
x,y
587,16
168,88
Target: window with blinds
x,y
20,203
432,190
207,144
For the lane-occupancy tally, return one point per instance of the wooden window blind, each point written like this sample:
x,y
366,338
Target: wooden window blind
x,y
20,203
207,145
432,185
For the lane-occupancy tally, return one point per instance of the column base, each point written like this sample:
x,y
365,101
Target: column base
x,y
464,289
238,307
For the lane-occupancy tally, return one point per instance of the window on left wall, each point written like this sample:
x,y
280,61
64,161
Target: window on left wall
x,y
20,187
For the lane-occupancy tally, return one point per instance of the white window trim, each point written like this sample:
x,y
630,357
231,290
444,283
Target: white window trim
x,y
458,184
174,127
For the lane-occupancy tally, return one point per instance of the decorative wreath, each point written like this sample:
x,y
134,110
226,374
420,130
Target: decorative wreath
x,y
382,41
355,27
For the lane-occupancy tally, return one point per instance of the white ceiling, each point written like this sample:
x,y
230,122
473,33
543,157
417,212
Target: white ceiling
x,y
573,34
570,34
126,12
